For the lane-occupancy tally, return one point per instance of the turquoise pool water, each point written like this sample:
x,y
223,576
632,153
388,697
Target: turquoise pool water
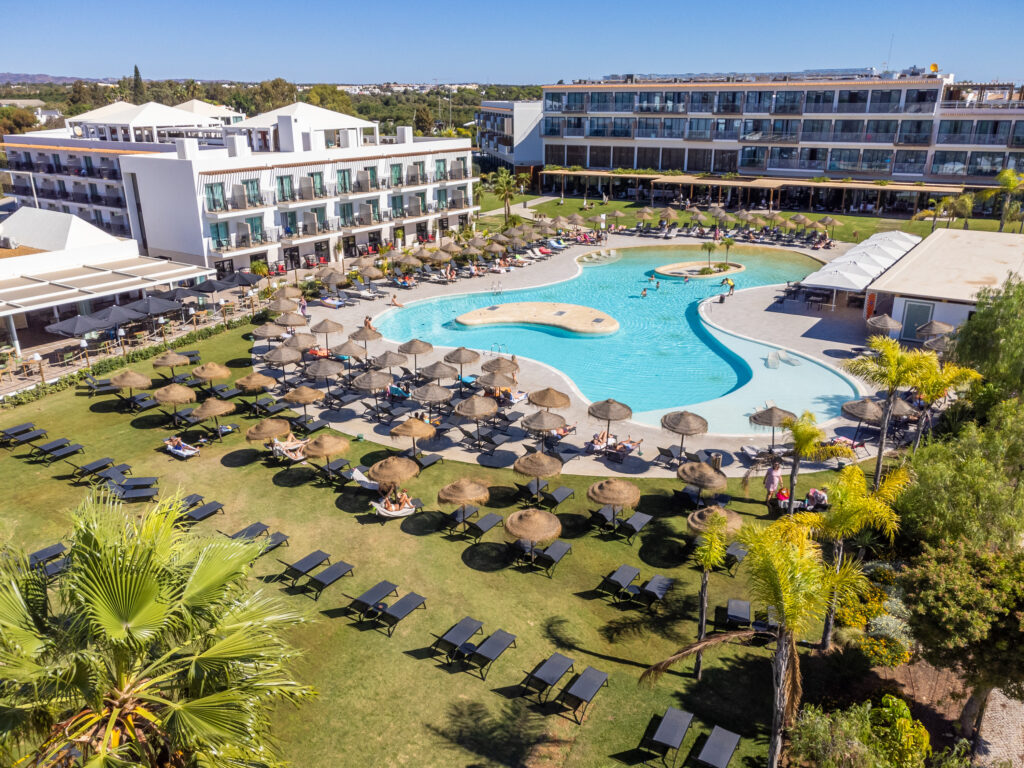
x,y
662,357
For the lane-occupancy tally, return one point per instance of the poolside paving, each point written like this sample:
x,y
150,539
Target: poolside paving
x,y
747,313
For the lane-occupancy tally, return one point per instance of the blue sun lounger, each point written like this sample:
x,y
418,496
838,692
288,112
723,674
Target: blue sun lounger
x,y
719,748
669,734
580,692
490,650
546,675
393,614
457,636
328,576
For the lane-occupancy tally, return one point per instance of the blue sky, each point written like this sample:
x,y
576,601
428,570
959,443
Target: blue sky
x,y
505,42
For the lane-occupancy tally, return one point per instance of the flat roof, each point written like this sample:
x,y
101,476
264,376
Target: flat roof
x,y
953,265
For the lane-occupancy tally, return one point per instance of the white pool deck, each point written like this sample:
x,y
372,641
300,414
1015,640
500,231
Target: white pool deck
x,y
825,336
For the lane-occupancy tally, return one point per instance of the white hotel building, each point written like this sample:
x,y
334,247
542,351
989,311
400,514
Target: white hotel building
x,y
293,187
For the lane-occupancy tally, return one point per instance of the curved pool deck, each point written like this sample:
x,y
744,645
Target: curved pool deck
x,y
573,318
691,269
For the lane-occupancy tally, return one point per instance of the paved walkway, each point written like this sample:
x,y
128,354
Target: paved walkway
x,y
744,312
1000,738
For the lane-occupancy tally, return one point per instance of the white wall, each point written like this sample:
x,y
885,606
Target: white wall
x,y
943,311
170,207
528,148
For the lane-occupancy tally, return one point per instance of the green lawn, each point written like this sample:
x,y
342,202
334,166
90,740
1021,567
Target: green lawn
x,y
386,702
488,201
852,228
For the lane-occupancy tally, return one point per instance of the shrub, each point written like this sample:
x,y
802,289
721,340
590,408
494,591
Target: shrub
x,y
706,271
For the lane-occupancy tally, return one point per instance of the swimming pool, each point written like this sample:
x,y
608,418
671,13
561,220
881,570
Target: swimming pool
x,y
663,356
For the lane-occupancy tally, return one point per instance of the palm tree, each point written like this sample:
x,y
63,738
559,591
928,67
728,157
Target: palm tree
x,y
963,207
154,651
933,382
504,187
939,207
709,554
709,246
852,509
728,243
808,445
1011,185
788,576
890,367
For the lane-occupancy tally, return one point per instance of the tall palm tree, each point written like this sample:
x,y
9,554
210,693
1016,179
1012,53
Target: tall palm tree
x,y
934,381
154,651
788,576
727,243
504,187
710,247
963,207
1011,185
709,554
808,445
853,508
890,367
939,207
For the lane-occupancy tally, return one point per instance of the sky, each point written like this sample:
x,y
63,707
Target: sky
x,y
525,41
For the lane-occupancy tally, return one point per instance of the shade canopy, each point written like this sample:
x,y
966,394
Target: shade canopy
x,y
267,430
864,409
934,328
349,349
495,248
131,380
543,421
212,408
269,331
407,260
254,382
324,368
500,365
327,326
614,491
465,490
178,294
462,356
282,355
698,519
773,416
79,325
213,286
610,410
154,305
170,360
538,465
414,428
291,320
282,305
477,408
326,445
438,370
533,525
684,423
211,372
940,344
901,409
416,347
371,381
431,394
364,334
303,395
287,292
702,475
884,323
300,341
370,273
389,359
174,394
548,398
393,470
116,315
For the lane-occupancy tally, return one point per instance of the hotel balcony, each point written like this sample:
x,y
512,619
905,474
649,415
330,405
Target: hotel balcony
x,y
918,139
728,109
1003,104
18,190
813,136
885,108
678,109
953,138
793,163
763,137
787,109
242,242
729,134
914,168
991,140
242,203
699,134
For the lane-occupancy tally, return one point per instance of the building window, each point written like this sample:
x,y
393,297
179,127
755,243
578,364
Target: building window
x,y
600,157
920,101
318,183
575,155
819,101
396,174
879,160
219,234
397,207
945,163
285,192
910,161
344,181
725,160
752,157
623,157
440,170
647,157
844,160
252,192
345,214
215,197
698,160
554,154
672,159
985,163
442,199
255,224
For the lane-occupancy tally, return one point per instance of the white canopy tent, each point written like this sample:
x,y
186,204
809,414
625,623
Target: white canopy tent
x,y
856,269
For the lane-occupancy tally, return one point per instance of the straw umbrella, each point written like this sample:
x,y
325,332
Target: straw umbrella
x,y
267,429
326,446
538,465
453,248
437,371
365,335
255,382
828,221
471,250
389,360
477,242
461,357
537,526
698,519
324,369
212,372
281,355
131,380
702,475
608,411
463,491
373,381
282,305
348,350
884,324
864,409
174,394
417,429
370,273
685,424
407,260
431,395
269,331
477,408
495,248
393,470
213,409
287,292
300,341
548,398
496,381
416,347
291,320
499,238
559,221
303,396
543,422
327,327
940,344
773,417
170,360
615,492
500,365
934,328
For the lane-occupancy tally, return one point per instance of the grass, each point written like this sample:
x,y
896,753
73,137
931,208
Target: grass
x,y
488,201
851,228
386,701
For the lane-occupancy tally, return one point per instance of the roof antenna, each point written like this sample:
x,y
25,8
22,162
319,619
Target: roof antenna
x,y
888,60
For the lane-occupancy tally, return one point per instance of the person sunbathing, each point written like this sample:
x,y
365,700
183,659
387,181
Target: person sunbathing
x,y
563,431
177,445
395,302
291,447
627,445
601,441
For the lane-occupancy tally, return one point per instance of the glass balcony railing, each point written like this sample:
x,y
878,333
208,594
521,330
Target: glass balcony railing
x,y
908,168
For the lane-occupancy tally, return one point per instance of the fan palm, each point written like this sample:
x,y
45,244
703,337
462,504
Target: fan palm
x,y
1011,185
709,554
808,445
504,188
853,508
153,651
962,207
939,207
890,367
787,575
933,382
710,247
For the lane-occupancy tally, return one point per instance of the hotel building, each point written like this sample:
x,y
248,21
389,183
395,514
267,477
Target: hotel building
x,y
508,135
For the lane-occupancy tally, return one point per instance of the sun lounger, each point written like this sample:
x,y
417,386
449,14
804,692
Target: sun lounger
x,y
719,748
616,582
428,460
26,437
460,516
329,472
100,386
251,531
367,601
392,615
182,418
328,576
581,691
224,392
309,427
631,526
384,513
653,591
546,675
116,475
669,734
737,612
207,510
182,452
668,456
450,642
532,488
18,429
490,650
557,496
131,494
45,555
190,501
267,407
300,568
362,480
734,554
552,556
274,540
55,568
476,529
111,472
63,452
606,517
92,467
145,404
52,445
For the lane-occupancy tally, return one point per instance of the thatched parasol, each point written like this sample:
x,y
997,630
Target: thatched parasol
x,y
934,328
281,355
613,491
267,430
431,393
211,372
559,221
131,380
327,327
170,360
393,470
500,365
495,248
471,251
303,396
287,292
495,381
269,331
417,429
543,421
407,260
300,341
453,248
326,446
773,417
864,409
698,519
416,347
940,344
370,273
349,349
324,368
884,323
610,410
478,242
389,360
461,356
365,335
291,320
477,408
549,398
577,220
901,409
702,475
685,424
282,305
363,262
255,382
174,394
437,371
372,380
538,465
533,525
465,490
213,409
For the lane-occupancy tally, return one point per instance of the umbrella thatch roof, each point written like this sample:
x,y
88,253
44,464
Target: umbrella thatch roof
x,y
702,475
684,423
174,394
577,220
549,398
465,490
371,381
363,262
414,428
559,221
267,429
864,409
538,465
393,470
431,393
478,242
282,305
699,518
370,273
213,408
452,248
477,408
500,365
349,349
303,395
771,417
327,326
416,347
934,328
364,334
211,372
254,382
938,344
131,380
291,320
884,323
901,409
617,214
282,355
326,445
543,421
471,251
170,360
618,493
389,359
269,331
407,260
828,221
610,410
533,525
462,356
301,341
438,370
287,292
495,248
495,381
324,368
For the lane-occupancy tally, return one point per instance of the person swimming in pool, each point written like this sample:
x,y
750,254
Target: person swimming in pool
x,y
643,294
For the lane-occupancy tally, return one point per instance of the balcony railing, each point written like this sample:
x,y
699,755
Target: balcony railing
x,y
758,163
880,137
888,108
848,107
949,169
787,109
574,108
765,137
816,136
17,189
991,139
551,130
672,133
663,108
1017,141
914,138
796,163
1002,104
727,133
818,108
843,165
953,138
919,108
699,134
701,107
728,109
573,131
908,168
648,133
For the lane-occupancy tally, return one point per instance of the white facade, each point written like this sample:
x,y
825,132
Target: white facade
x,y
509,132
225,115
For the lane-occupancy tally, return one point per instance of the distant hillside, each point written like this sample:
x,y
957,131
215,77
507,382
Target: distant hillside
x,y
22,77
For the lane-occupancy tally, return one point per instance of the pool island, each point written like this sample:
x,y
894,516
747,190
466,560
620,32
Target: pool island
x,y
568,317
